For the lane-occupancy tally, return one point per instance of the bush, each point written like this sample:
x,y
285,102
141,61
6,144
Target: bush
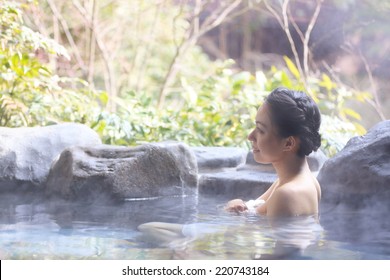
x,y
211,104
220,111
30,93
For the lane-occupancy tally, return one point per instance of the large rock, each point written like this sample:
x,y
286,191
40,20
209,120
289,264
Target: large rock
x,y
151,170
246,184
26,153
315,161
237,178
219,157
223,171
359,175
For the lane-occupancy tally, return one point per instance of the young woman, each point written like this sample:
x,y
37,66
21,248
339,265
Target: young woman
x,y
287,130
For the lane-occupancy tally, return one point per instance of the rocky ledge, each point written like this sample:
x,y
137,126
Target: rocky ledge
x,y
69,161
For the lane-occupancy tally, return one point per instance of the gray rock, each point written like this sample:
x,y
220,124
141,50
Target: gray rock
x,y
315,160
359,175
251,164
248,180
26,153
220,173
151,170
246,184
218,157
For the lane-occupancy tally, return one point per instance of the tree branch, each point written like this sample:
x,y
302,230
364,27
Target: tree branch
x,y
145,56
284,24
286,28
225,11
194,32
306,50
374,90
92,45
109,73
68,35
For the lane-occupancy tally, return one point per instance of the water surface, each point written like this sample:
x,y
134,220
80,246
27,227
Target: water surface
x,y
32,227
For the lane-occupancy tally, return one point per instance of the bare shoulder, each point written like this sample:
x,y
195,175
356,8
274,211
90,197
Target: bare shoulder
x,y
283,201
295,198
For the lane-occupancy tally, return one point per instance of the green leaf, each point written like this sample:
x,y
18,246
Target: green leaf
x,y
293,69
327,83
103,98
351,113
286,80
359,128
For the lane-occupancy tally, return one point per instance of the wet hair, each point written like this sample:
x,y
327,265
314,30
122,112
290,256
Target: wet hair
x,y
296,114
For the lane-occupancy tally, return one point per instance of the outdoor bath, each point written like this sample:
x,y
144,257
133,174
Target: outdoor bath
x,y
84,217
36,229
88,87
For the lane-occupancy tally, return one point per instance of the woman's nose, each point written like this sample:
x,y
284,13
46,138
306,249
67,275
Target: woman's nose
x,y
251,136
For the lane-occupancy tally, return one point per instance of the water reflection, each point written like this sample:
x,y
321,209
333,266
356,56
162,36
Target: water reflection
x,y
242,237
34,228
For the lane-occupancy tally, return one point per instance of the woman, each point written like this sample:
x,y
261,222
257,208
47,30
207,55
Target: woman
x,y
287,130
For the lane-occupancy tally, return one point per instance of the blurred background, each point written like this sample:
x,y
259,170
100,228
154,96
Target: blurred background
x,y
193,71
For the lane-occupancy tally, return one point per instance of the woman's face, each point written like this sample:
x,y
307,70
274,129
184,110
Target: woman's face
x,y
267,145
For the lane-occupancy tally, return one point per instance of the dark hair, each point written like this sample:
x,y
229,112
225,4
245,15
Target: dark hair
x,y
296,114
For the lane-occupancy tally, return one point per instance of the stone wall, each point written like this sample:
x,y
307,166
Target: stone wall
x,y
69,161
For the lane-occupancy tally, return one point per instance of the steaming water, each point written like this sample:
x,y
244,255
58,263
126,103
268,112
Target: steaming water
x,y
33,228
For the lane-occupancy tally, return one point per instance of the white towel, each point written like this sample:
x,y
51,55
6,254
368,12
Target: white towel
x,y
253,204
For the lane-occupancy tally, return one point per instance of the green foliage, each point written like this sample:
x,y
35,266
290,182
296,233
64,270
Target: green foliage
x,y
209,103
30,94
217,111
220,111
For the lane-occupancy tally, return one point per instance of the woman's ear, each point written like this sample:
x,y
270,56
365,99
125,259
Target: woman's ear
x,y
291,144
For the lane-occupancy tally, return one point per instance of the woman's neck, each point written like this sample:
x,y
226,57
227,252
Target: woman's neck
x,y
290,167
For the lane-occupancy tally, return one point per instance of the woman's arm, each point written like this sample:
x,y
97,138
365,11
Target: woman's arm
x,y
238,205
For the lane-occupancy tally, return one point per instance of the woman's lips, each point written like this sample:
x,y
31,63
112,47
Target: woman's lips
x,y
255,150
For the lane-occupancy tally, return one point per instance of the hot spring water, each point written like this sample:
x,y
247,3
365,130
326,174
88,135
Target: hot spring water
x,y
34,228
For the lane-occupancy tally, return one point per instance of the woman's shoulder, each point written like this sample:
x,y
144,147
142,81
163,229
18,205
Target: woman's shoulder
x,y
288,193
283,201
294,198
300,188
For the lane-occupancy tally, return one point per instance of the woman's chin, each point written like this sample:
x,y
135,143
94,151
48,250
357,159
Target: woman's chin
x,y
260,160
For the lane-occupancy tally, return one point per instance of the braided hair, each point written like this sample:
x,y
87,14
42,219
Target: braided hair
x,y
296,114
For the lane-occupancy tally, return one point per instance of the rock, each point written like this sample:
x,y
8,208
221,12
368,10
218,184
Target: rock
x,y
151,170
251,164
246,184
218,157
220,173
315,160
26,153
359,175
247,180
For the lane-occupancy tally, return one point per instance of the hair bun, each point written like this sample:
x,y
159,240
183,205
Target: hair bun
x,y
317,141
296,113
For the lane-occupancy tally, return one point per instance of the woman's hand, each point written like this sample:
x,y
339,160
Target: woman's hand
x,y
236,205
